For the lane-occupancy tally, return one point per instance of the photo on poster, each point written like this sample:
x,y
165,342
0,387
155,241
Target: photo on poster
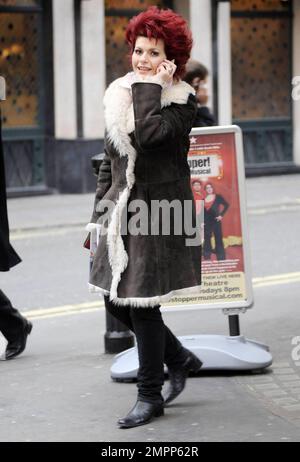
x,y
213,162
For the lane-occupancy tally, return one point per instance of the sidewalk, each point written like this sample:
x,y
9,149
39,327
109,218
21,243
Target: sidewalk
x,y
60,390
76,209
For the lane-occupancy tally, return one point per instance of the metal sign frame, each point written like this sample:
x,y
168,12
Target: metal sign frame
x,y
240,305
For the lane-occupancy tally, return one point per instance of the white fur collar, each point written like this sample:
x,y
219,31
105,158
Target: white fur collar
x,y
119,108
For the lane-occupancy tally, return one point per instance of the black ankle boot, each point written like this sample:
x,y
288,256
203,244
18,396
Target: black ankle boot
x,y
178,376
141,414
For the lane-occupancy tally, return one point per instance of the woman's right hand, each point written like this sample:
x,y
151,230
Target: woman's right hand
x,y
165,72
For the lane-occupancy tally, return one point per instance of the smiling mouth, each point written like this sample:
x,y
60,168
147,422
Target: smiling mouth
x,y
144,69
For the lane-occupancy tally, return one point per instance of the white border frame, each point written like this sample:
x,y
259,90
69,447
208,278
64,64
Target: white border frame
x,y
248,303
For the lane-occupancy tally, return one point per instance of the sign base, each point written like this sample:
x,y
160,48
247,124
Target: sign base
x,y
217,352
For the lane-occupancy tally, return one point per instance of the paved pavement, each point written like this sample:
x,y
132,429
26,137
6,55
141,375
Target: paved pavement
x,y
60,388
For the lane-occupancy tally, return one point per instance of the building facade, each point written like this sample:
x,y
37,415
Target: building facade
x,y
58,56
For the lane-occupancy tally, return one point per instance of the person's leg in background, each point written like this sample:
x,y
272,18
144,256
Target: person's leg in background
x,y
14,327
11,321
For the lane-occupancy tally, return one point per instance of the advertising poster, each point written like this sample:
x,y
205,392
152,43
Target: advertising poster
x,y
215,184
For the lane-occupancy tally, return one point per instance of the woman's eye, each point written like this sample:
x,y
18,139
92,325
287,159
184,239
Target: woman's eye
x,y
153,53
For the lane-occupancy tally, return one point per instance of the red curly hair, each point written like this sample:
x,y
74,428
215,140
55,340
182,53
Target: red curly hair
x,y
168,26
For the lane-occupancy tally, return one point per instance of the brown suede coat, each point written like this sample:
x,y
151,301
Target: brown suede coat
x,y
146,146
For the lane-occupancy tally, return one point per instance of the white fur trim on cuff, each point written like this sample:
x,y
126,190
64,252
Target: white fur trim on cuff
x,y
150,79
92,226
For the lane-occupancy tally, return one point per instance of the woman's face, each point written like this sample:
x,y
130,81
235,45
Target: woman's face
x,y
147,55
209,189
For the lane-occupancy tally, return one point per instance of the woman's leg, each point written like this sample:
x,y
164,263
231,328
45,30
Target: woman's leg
x,y
150,335
156,344
122,313
174,353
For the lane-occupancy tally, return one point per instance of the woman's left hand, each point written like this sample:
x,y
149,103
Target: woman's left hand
x,y
165,71
219,218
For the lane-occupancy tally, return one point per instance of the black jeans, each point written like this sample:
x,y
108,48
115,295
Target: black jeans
x,y
156,345
11,321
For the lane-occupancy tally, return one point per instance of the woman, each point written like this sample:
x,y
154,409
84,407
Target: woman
x,y
148,114
215,207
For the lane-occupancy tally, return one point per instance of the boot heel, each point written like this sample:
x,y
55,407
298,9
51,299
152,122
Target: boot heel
x,y
159,412
196,364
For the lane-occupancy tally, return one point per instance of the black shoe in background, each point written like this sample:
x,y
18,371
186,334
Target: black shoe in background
x,y
17,346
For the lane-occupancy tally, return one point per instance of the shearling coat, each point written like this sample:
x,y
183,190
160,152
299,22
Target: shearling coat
x,y
146,146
